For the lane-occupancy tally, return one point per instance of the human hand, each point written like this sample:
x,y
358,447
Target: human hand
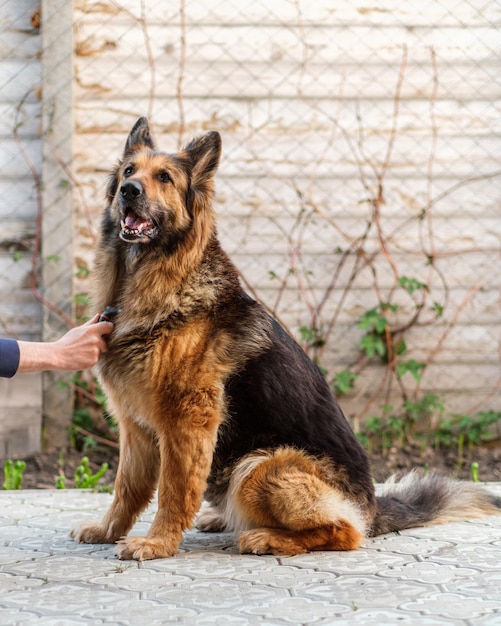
x,y
78,349
81,346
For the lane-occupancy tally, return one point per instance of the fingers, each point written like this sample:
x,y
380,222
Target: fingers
x,y
93,320
101,328
104,328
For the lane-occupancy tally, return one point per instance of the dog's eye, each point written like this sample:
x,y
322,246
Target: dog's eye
x,y
164,177
128,171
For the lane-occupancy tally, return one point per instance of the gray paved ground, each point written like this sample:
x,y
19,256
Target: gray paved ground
x,y
436,576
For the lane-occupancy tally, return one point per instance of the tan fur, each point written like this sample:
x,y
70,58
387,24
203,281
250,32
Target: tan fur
x,y
341,536
286,489
183,426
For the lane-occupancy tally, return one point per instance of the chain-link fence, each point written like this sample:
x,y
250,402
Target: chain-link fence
x,y
359,188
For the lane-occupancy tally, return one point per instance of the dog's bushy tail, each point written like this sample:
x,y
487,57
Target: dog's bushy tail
x,y
420,500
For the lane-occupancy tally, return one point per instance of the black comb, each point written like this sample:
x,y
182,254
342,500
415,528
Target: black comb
x,y
109,314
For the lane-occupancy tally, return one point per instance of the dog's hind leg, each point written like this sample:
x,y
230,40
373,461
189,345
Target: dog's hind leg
x,y
135,484
291,509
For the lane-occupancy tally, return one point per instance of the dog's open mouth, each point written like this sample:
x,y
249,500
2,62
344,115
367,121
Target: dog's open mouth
x,y
136,228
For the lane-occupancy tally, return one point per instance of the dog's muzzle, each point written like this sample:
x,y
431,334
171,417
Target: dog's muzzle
x,y
134,227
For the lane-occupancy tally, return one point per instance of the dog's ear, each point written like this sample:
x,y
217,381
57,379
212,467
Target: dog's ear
x,y
204,154
139,137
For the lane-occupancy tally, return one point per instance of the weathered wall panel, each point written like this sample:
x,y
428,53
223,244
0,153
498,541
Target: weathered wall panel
x,y
318,105
20,314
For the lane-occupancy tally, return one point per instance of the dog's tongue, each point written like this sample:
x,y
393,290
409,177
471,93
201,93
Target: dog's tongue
x,y
135,227
132,221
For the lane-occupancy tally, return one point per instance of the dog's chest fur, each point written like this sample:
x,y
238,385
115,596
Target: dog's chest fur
x,y
184,340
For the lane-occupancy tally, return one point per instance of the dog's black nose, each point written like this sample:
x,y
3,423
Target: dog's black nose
x,y
131,189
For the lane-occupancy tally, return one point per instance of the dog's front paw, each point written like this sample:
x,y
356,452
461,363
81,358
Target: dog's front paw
x,y
92,532
144,549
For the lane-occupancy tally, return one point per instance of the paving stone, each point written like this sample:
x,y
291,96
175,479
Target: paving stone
x,y
436,576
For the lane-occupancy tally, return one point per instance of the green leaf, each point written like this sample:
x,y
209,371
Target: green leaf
x,y
415,368
438,309
82,299
373,320
374,424
412,284
311,336
372,345
344,381
84,478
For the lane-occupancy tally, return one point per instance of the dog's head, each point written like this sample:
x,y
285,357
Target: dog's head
x,y
154,197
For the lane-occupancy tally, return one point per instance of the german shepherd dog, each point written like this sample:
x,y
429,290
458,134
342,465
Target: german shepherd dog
x,y
214,399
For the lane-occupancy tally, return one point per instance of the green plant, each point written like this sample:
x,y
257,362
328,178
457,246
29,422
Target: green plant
x,y
474,472
122,567
378,434
473,431
82,421
411,284
480,430
82,299
311,337
13,474
396,426
374,341
89,409
415,368
443,435
363,439
344,382
85,478
438,309
424,411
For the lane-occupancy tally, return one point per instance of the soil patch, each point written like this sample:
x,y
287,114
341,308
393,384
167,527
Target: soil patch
x,y
43,469
445,462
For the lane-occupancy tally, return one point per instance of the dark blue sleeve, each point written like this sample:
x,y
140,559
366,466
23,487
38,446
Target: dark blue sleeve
x,y
9,357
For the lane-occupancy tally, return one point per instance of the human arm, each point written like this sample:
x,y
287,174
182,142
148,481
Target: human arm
x,y
78,349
